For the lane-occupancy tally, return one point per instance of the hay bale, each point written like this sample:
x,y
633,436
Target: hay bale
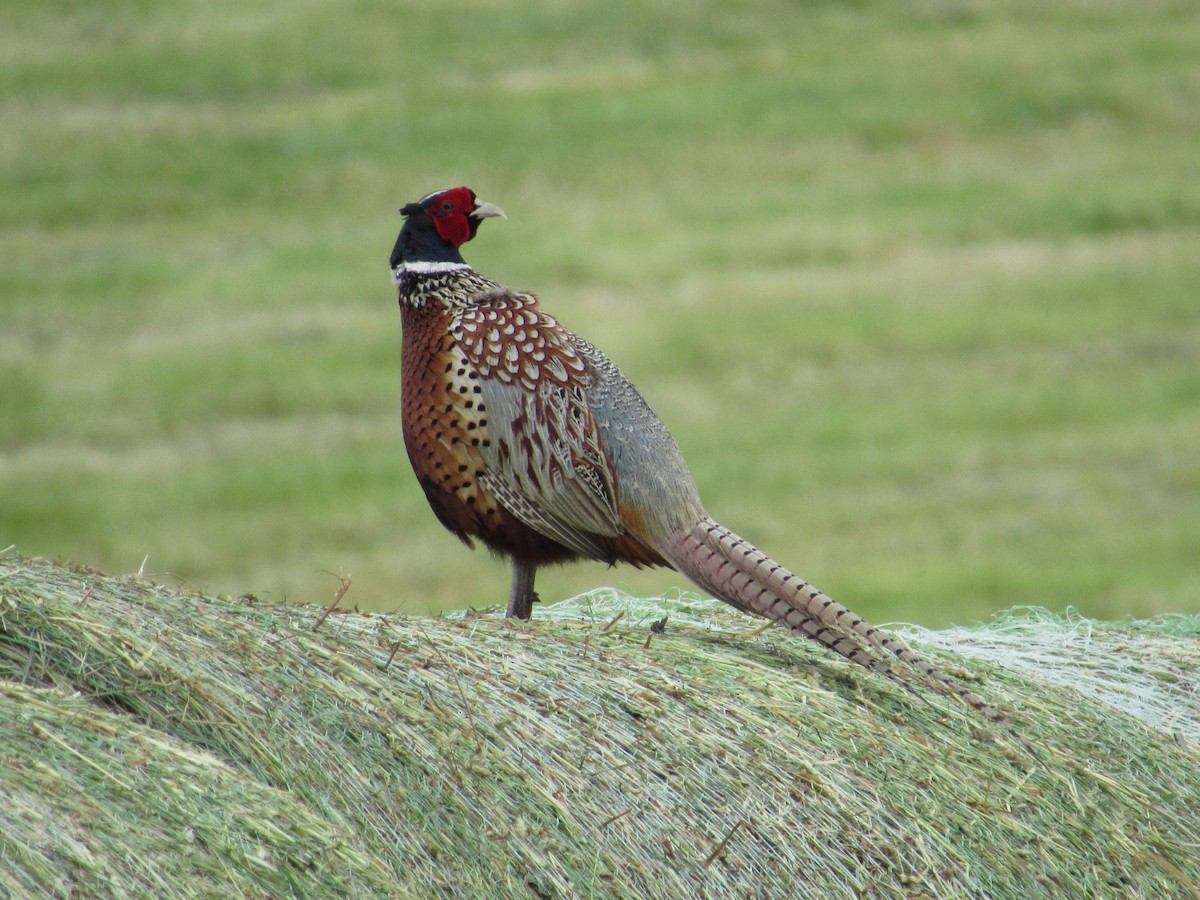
x,y
176,744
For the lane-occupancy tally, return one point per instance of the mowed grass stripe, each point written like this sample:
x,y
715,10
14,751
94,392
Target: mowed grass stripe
x,y
914,289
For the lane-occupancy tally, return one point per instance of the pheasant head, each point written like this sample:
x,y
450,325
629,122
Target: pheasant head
x,y
437,225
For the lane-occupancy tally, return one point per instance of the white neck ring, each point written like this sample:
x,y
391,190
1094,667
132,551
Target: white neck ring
x,y
426,268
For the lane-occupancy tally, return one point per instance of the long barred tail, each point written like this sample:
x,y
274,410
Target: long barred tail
x,y
742,575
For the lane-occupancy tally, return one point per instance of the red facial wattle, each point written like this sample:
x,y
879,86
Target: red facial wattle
x,y
449,211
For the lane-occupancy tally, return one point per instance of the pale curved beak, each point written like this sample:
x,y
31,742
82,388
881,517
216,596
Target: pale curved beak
x,y
487,210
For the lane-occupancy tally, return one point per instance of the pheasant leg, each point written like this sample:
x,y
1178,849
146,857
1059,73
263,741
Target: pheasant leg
x,y
522,596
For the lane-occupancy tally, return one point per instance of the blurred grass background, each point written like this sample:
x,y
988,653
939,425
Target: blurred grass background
x,y
916,287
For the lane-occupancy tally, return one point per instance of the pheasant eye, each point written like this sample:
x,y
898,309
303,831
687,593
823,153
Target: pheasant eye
x,y
447,205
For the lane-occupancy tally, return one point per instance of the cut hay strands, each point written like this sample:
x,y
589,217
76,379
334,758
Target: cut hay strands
x,y
615,619
720,848
611,819
240,752
343,587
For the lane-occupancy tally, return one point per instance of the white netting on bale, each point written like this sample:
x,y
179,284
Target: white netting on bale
x,y
1147,669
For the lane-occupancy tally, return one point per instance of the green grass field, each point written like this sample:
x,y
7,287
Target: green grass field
x,y
916,288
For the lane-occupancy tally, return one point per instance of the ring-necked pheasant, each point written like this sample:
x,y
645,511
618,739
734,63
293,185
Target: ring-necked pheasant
x,y
527,437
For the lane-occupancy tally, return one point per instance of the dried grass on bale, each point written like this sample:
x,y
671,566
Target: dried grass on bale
x,y
174,744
